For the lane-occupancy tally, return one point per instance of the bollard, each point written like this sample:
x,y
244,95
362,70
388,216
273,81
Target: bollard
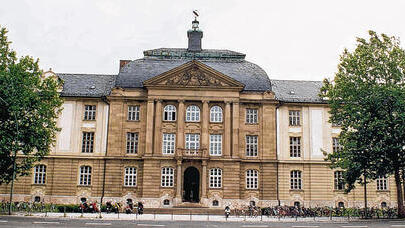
x,y
154,215
190,216
208,216
172,215
64,211
261,216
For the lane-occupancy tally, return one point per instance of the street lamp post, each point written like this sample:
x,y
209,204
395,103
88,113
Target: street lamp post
x,y
14,162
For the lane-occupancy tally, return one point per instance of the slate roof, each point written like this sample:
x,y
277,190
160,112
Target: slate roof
x,y
297,91
86,85
158,61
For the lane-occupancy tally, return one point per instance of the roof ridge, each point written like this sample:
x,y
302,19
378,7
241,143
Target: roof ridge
x,y
81,74
294,80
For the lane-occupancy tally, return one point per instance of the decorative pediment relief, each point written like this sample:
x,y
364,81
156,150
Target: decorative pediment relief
x,y
193,74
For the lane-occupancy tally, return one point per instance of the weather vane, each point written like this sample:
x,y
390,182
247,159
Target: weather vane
x,y
195,12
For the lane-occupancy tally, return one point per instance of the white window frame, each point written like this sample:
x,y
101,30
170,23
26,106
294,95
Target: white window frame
x,y
192,141
215,178
167,177
132,143
295,146
296,180
252,142
252,115
193,113
133,112
216,114
294,117
339,182
130,176
336,147
382,183
168,143
216,144
40,174
252,179
89,112
85,175
88,142
169,113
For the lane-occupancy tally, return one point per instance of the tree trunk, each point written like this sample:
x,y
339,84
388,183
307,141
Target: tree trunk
x,y
365,197
400,199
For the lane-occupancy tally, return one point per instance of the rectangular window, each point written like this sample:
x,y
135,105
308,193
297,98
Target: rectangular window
x,y
216,178
130,177
382,184
167,177
295,181
251,145
85,175
89,112
216,145
294,117
168,143
295,147
336,145
88,142
251,116
133,112
339,180
132,143
192,141
40,174
251,179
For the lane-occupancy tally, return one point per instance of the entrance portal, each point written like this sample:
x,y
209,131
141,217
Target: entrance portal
x,y
191,185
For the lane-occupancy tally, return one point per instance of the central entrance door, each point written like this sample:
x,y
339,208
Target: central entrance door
x,y
191,185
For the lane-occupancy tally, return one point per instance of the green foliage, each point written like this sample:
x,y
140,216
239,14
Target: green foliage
x,y
367,98
30,105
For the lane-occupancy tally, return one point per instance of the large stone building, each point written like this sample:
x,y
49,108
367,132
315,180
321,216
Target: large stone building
x,y
192,126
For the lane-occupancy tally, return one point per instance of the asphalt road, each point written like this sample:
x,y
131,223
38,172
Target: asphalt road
x,y
19,221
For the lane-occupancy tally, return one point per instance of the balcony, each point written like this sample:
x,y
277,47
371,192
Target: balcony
x,y
192,153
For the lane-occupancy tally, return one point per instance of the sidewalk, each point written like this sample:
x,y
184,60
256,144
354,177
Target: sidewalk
x,y
189,217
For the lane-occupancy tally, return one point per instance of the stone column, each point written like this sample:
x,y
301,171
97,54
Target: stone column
x,y
227,137
158,127
204,132
178,183
180,127
235,130
149,128
204,180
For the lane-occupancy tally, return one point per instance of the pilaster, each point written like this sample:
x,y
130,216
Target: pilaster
x,y
204,180
149,128
158,128
227,142
180,126
235,130
204,133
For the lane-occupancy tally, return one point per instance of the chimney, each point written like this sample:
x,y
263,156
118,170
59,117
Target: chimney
x,y
194,37
123,63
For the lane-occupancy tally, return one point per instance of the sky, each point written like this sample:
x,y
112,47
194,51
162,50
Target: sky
x,y
290,39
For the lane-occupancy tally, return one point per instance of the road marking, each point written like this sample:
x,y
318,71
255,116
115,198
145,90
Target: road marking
x,y
46,222
97,224
258,226
3,221
398,225
305,226
150,225
354,226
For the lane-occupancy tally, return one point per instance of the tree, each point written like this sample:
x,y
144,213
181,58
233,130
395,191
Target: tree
x,y
367,98
30,105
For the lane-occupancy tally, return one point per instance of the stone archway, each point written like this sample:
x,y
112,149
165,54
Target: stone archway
x,y
191,185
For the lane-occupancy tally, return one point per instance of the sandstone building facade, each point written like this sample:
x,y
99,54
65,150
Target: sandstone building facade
x,y
192,126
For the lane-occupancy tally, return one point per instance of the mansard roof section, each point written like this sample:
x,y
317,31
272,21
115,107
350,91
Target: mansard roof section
x,y
183,53
297,91
86,85
134,73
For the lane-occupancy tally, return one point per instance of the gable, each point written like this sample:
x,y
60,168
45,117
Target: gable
x,y
193,74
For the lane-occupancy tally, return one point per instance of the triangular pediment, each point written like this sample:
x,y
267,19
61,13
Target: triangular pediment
x,y
193,74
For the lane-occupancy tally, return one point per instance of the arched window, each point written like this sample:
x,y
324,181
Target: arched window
x,y
166,202
383,204
341,204
40,174
216,178
167,177
193,113
252,179
216,114
85,175
295,181
37,199
297,204
215,203
169,113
